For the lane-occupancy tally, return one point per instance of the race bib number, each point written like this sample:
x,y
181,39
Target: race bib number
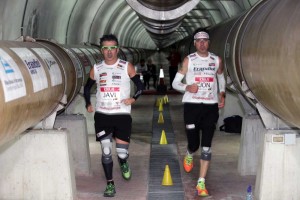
x,y
204,83
111,94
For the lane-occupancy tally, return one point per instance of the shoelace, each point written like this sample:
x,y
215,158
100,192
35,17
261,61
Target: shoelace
x,y
110,187
189,159
124,167
201,185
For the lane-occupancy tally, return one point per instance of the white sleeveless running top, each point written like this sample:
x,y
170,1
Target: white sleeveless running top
x,y
113,85
203,71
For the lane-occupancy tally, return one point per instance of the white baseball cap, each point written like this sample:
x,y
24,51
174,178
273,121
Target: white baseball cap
x,y
201,35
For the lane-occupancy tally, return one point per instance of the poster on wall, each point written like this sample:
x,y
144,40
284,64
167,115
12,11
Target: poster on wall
x,y
34,67
52,66
11,78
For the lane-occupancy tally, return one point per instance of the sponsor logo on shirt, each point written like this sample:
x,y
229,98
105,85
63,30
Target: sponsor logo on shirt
x,y
196,69
119,66
116,77
103,74
122,61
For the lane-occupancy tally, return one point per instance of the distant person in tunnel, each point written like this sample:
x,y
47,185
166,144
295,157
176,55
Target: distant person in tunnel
x,y
113,107
143,72
204,76
152,71
174,59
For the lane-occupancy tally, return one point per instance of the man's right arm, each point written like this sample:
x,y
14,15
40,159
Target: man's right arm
x,y
87,91
177,82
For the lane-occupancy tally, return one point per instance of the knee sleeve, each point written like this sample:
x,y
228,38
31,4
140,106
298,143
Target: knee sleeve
x,y
192,137
106,145
206,153
122,151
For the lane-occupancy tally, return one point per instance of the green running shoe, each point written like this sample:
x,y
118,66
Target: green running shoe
x,y
201,189
110,190
125,169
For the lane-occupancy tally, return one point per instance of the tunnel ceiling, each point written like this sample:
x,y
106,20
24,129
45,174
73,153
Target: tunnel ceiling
x,y
137,23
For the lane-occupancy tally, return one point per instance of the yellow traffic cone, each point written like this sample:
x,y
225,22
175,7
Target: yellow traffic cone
x,y
160,118
161,100
158,102
166,99
163,138
167,180
160,109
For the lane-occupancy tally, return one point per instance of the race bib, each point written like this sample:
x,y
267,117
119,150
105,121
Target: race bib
x,y
204,83
110,94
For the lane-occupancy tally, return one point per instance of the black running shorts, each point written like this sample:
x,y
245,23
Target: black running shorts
x,y
118,124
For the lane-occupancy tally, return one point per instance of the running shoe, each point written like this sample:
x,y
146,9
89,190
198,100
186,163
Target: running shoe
x,y
202,191
110,190
125,169
188,163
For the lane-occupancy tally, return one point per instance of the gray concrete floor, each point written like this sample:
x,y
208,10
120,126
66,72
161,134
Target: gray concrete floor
x,y
223,179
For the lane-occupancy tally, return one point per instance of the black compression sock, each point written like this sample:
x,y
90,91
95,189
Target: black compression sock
x,y
110,182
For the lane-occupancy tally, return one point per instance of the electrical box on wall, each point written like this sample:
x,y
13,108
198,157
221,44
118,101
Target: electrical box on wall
x,y
284,138
278,139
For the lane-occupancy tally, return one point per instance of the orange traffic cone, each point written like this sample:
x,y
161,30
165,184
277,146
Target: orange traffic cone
x,y
161,87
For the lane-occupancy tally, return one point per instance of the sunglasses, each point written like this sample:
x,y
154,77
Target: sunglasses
x,y
109,47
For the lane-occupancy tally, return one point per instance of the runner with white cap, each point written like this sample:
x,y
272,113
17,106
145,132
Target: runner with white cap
x,y
204,94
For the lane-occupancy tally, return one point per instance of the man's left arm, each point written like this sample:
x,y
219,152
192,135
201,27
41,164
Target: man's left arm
x,y
222,84
137,81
